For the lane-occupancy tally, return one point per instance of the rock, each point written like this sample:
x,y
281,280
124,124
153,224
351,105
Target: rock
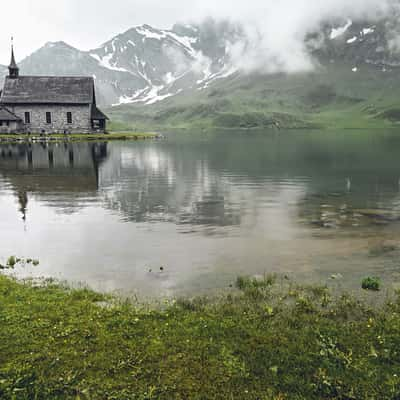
x,y
318,223
379,214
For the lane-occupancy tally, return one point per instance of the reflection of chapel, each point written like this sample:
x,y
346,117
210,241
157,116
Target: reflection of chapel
x,y
49,104
23,203
69,170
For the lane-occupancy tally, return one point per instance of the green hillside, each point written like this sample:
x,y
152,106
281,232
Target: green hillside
x,y
331,96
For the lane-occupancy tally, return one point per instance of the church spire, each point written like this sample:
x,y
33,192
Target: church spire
x,y
23,203
13,67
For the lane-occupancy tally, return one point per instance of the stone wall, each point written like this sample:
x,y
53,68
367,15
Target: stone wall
x,y
81,118
12,127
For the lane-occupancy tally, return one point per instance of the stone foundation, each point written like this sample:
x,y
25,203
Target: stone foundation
x,y
12,127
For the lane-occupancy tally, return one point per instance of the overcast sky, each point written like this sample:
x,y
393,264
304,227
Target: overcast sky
x,y
86,24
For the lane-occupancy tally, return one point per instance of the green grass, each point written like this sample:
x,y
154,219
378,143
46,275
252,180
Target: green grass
x,y
266,341
330,97
371,283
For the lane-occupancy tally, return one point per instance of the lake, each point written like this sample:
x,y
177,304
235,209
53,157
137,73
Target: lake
x,y
187,215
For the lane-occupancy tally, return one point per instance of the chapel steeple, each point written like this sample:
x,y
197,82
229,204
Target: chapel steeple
x,y
13,67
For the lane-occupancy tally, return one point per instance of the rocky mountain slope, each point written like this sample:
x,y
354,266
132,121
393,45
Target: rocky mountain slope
x,y
358,42
143,64
355,82
192,72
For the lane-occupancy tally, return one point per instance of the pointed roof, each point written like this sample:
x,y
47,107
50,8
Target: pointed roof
x,y
13,64
48,90
97,114
7,115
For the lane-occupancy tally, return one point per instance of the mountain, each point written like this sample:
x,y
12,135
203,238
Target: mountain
x,y
355,83
360,42
143,64
191,75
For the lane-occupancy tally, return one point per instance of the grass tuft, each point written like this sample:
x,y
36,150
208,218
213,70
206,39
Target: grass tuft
x,y
371,283
245,282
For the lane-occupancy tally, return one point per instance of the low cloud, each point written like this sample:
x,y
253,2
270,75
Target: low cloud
x,y
275,32
275,29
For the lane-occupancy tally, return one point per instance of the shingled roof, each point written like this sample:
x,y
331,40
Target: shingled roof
x,y
48,90
97,114
6,115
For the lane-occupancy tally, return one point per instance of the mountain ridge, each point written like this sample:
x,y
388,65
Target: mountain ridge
x,y
146,64
189,73
143,64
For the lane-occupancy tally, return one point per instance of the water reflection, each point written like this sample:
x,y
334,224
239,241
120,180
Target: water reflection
x,y
218,183
155,184
204,208
52,171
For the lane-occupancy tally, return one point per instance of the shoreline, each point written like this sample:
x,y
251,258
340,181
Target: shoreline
x,y
261,341
22,138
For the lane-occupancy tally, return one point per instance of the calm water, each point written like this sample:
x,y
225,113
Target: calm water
x,y
204,209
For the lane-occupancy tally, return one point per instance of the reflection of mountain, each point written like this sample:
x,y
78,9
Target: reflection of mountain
x,y
52,170
227,181
155,183
223,181
207,208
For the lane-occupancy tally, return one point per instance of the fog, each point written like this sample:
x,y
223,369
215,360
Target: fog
x,y
276,29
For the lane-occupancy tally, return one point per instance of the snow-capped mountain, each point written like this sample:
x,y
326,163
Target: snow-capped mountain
x,y
159,63
146,65
359,42
143,64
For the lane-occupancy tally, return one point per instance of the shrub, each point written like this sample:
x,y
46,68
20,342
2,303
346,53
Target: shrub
x,y
371,283
11,261
245,282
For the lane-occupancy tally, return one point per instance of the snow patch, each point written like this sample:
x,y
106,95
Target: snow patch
x,y
158,98
367,31
149,34
168,78
336,32
148,96
225,72
207,73
191,27
130,99
185,41
352,40
106,62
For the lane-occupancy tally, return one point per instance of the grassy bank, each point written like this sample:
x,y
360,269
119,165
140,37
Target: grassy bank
x,y
79,137
264,341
